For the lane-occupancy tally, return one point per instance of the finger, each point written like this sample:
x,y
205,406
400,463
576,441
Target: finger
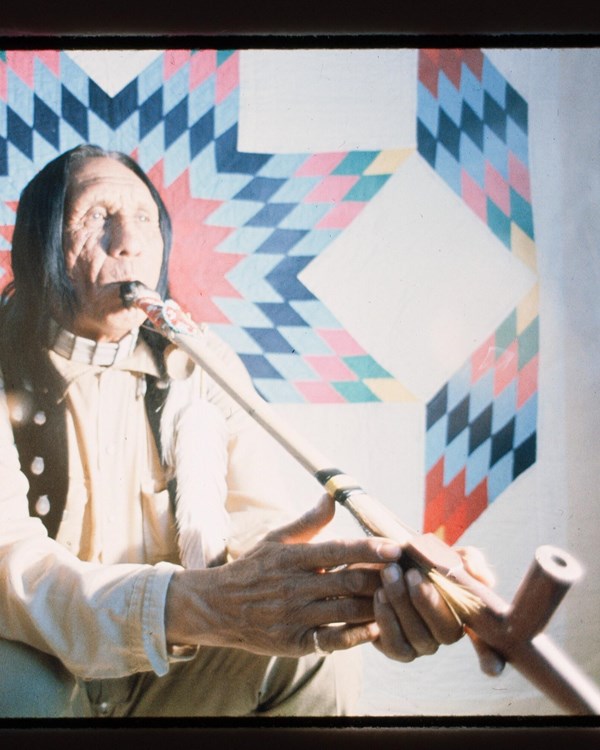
x,y
343,637
490,662
432,608
392,641
346,582
349,611
413,626
333,553
303,529
378,566
476,564
312,586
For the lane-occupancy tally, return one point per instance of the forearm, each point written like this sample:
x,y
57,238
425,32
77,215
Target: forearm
x,y
100,621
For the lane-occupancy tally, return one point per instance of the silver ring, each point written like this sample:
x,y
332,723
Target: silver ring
x,y
318,650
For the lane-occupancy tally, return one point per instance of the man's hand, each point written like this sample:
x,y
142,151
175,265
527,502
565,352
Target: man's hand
x,y
273,599
276,597
414,620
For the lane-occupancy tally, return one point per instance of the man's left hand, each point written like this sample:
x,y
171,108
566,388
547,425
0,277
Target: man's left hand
x,y
414,620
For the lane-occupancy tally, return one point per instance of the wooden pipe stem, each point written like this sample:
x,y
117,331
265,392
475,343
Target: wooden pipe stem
x,y
550,576
512,630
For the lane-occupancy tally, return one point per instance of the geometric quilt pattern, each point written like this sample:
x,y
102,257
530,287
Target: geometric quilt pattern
x,y
245,224
472,129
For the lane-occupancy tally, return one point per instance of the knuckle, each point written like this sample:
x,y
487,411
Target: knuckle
x,y
337,549
373,545
356,581
354,609
298,555
446,640
427,647
404,653
451,636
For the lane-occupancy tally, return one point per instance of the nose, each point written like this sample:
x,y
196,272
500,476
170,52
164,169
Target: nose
x,y
124,238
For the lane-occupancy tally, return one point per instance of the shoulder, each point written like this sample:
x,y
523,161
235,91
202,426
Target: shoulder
x,y
231,360
188,378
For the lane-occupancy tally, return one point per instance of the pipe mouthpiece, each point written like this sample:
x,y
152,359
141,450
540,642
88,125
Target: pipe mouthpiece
x,y
130,291
558,564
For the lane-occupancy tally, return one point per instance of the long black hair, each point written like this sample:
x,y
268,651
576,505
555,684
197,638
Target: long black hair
x,y
40,280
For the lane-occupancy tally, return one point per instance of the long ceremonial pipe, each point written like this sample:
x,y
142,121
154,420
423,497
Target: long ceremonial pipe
x,y
512,630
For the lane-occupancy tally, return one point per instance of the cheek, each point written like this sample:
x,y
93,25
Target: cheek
x,y
152,258
72,257
154,248
78,246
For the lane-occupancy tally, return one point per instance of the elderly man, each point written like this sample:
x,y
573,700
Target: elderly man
x,y
149,563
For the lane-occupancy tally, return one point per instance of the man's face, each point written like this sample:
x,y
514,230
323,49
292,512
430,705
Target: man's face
x,y
111,235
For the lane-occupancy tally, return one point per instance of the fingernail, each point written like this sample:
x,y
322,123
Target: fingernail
x,y
391,574
389,550
413,577
382,596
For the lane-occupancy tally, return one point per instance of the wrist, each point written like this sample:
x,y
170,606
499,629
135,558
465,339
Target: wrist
x,y
189,619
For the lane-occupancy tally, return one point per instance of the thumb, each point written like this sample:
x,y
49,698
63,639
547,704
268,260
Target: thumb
x,y
309,524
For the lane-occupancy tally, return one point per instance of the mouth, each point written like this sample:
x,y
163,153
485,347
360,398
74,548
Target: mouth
x,y
129,291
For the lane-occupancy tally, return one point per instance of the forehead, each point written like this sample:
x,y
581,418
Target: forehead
x,y
105,173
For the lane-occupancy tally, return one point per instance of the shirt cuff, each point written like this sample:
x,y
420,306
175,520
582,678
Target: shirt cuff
x,y
153,618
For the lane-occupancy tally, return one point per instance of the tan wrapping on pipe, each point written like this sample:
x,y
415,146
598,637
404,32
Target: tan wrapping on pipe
x,y
513,631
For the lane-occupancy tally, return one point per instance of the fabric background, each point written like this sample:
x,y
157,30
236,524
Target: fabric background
x,y
402,247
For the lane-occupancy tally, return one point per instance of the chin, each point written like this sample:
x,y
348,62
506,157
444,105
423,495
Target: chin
x,y
120,324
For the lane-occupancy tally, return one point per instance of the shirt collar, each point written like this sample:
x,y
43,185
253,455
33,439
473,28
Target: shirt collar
x,y
88,351
73,356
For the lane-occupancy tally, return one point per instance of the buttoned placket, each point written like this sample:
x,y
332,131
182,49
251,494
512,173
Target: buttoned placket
x,y
107,424
105,453
121,452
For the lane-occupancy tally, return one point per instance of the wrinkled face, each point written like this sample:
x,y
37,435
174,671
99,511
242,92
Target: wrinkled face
x,y
111,235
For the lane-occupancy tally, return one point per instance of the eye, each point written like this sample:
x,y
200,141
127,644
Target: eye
x,y
96,215
146,217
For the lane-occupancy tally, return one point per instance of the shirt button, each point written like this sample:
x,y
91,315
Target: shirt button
x,y
42,506
37,465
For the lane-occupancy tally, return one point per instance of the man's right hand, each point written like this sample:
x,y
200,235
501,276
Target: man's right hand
x,y
272,600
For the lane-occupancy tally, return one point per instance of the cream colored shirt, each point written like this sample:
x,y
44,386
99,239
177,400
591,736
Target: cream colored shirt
x,y
117,507
95,596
